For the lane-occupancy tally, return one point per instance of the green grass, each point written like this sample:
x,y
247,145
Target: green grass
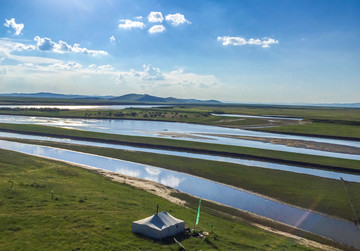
x,y
319,129
319,194
90,212
197,147
344,115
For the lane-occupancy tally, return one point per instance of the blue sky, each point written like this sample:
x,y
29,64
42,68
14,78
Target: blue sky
x,y
239,51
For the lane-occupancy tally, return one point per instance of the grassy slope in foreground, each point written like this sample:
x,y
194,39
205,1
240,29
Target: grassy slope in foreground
x,y
323,195
91,212
190,146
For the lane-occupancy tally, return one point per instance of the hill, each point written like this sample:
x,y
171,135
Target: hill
x,y
138,98
145,98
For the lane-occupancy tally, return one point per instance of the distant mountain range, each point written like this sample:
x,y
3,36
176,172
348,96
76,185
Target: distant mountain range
x,y
152,99
136,98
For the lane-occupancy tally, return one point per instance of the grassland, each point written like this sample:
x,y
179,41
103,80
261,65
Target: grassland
x,y
90,212
303,160
330,114
343,123
319,194
328,130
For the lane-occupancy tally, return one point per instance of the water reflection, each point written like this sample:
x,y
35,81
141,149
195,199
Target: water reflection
x,y
155,129
128,172
171,181
262,164
336,229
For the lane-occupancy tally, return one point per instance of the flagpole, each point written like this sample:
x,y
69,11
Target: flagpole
x,y
197,215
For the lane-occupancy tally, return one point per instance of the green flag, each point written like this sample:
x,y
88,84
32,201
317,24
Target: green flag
x,y
198,213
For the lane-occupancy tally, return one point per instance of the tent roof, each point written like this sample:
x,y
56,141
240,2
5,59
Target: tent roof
x,y
159,221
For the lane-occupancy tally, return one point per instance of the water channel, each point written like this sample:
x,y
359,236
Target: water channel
x,y
186,132
336,229
262,164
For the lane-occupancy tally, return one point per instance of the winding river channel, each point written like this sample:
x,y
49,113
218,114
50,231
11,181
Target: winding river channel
x,y
191,132
336,229
255,163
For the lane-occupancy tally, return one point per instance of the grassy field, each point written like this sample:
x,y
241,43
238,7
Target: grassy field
x,y
319,129
197,147
323,195
90,212
344,115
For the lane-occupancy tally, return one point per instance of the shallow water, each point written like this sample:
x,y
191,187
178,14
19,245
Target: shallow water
x,y
262,164
164,130
327,226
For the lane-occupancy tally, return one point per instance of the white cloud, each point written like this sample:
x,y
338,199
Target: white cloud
x,y
138,17
266,43
73,77
34,60
128,24
177,19
239,41
112,39
173,82
46,44
151,73
236,41
17,27
155,17
157,29
9,46
2,71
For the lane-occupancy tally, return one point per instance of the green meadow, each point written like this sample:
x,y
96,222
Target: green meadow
x,y
90,212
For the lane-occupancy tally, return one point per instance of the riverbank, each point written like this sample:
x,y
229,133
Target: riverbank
x,y
320,130
88,211
318,194
297,143
303,160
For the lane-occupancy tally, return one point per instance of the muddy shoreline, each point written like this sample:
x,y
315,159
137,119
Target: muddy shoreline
x,y
298,143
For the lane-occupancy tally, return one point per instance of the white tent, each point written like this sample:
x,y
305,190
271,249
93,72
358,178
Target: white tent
x,y
158,226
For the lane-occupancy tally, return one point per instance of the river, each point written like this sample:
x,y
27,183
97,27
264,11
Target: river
x,y
255,163
191,132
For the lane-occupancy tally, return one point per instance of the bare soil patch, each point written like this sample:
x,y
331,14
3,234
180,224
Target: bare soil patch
x,y
298,143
